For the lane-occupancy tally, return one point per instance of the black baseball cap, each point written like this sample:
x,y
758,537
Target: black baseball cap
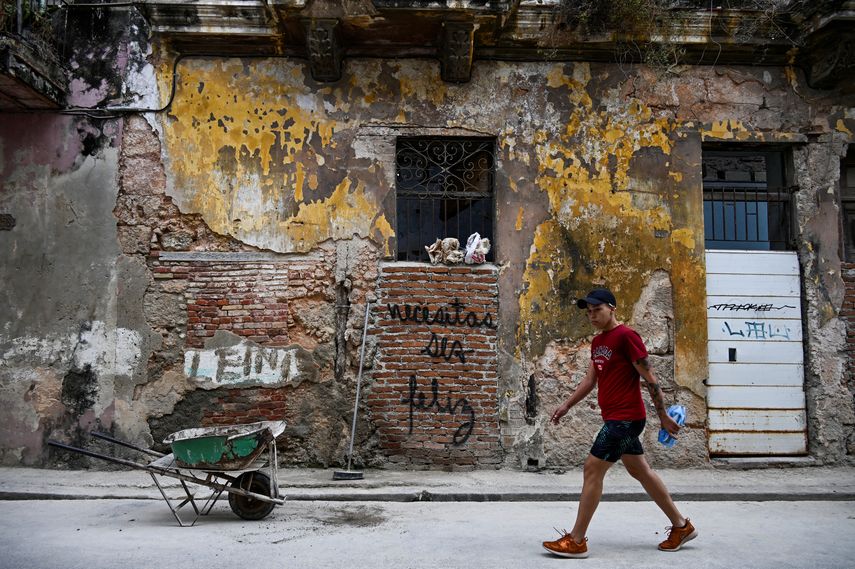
x,y
597,296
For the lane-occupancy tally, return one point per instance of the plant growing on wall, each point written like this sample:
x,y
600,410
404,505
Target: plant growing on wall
x,y
7,14
36,19
648,30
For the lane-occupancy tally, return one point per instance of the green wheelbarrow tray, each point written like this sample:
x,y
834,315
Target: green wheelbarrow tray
x,y
233,447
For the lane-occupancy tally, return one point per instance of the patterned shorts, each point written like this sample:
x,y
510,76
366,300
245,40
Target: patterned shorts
x,y
617,438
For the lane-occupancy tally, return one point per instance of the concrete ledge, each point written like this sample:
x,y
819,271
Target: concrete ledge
x,y
426,496
729,484
745,463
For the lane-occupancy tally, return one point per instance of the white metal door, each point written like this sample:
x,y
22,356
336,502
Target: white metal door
x,y
756,386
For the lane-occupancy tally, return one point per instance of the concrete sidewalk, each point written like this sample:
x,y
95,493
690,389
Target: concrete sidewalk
x,y
707,484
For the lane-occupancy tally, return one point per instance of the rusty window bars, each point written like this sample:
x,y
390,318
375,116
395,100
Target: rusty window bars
x,y
444,188
747,203
745,218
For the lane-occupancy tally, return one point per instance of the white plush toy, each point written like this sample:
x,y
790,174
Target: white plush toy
x,y
476,249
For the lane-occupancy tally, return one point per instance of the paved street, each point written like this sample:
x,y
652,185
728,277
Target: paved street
x,y
71,534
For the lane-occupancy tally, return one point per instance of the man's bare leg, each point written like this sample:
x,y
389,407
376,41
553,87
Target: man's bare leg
x,y
592,489
637,467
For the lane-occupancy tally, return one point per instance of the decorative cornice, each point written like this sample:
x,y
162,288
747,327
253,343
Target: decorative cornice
x,y
499,29
833,61
457,47
323,48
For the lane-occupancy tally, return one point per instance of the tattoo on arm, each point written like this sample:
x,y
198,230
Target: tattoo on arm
x,y
655,391
653,388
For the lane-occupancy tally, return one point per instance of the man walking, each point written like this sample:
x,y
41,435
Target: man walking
x,y
618,359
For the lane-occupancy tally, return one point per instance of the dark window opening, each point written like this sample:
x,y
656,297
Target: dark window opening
x,y
747,203
444,189
847,205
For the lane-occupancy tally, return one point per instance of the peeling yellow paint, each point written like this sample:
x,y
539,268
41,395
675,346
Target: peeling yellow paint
x,y
244,144
542,279
341,216
249,148
603,219
384,228
298,186
613,134
576,84
728,130
792,77
685,237
413,83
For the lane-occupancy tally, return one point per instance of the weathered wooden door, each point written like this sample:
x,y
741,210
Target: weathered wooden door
x,y
756,382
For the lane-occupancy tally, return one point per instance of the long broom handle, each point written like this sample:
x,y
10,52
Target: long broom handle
x,y
358,384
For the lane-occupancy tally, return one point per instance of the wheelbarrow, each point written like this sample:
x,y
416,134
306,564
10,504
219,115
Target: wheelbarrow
x,y
225,459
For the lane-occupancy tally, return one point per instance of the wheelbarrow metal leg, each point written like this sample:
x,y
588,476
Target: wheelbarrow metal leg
x,y
274,469
173,509
212,499
188,499
209,504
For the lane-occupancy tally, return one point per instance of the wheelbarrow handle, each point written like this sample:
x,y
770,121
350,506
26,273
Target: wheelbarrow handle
x,y
110,439
114,459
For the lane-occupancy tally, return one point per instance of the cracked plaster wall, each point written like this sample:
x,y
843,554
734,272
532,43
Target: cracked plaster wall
x,y
61,315
598,183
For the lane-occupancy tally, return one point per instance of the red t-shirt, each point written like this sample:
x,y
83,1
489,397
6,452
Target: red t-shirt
x,y
619,392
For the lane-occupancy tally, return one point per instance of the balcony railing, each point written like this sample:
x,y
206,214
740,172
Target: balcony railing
x,y
33,15
31,21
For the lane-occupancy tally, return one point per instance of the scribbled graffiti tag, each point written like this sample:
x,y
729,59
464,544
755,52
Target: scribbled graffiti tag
x,y
757,330
418,401
452,314
441,348
731,307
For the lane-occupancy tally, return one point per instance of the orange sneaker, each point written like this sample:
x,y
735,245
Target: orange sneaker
x,y
677,537
566,546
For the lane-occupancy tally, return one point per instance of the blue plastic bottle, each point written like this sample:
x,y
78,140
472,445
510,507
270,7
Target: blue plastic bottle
x,y
678,413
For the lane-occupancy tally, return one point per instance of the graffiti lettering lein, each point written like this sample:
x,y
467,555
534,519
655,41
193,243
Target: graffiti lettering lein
x,y
243,365
417,400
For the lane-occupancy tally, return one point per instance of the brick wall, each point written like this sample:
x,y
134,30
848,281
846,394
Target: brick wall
x,y
433,398
263,300
252,299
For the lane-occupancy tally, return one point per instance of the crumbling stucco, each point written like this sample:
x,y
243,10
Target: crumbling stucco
x,y
597,183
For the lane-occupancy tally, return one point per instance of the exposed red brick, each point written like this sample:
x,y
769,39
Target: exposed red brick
x,y
244,298
470,380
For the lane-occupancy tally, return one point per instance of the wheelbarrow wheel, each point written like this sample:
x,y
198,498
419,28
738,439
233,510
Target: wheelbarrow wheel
x,y
250,508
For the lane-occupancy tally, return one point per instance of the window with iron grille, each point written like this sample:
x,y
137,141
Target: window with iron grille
x,y
444,189
847,205
747,204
